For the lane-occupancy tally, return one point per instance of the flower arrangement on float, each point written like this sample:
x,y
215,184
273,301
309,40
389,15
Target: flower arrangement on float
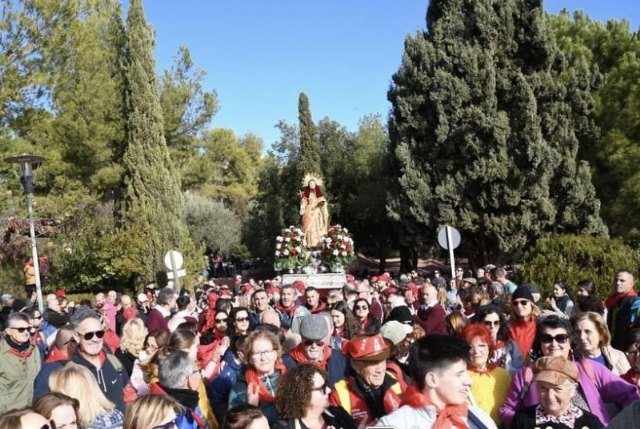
x,y
291,249
337,249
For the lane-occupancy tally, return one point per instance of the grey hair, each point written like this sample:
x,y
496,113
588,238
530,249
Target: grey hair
x,y
24,317
174,369
497,288
165,295
81,314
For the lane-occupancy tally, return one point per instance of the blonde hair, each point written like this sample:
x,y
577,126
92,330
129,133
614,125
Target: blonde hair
x,y
78,382
133,335
149,411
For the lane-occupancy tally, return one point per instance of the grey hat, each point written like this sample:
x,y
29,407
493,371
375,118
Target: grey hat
x,y
314,327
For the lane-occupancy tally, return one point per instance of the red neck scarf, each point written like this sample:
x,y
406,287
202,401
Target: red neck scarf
x,y
447,418
299,354
490,367
287,310
613,299
253,379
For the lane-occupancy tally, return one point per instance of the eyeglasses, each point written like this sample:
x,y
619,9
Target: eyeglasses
x,y
220,321
322,388
169,425
21,329
520,302
492,322
263,354
318,343
88,336
242,319
548,339
361,307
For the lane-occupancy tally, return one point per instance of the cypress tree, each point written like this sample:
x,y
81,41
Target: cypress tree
x,y
153,200
483,132
309,145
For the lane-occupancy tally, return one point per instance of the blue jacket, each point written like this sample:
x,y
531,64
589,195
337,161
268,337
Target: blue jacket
x,y
41,382
110,379
218,389
337,366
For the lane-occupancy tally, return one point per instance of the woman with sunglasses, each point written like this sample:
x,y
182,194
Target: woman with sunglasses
x,y
506,353
597,386
362,312
522,324
238,322
489,382
152,412
596,341
303,401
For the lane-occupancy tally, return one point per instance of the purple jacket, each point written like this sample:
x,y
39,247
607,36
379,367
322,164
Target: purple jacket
x,y
609,388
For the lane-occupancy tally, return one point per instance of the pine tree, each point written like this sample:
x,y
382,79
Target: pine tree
x,y
309,145
153,200
483,132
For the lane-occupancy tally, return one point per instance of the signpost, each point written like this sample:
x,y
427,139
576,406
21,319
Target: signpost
x,y
449,238
173,260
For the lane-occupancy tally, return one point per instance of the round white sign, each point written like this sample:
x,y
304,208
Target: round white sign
x,y
173,257
442,237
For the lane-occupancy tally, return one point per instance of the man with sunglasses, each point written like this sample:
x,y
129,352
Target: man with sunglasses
x,y
315,349
19,363
92,354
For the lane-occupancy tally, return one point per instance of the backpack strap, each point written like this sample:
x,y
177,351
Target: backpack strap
x,y
115,362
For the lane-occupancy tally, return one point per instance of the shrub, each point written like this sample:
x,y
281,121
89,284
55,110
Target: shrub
x,y
572,258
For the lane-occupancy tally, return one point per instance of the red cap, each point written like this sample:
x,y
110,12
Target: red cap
x,y
384,277
389,290
373,280
60,293
272,289
247,288
300,286
368,348
224,293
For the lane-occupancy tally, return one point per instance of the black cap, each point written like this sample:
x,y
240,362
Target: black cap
x,y
522,292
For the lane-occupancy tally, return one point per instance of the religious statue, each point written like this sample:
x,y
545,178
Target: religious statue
x,y
313,210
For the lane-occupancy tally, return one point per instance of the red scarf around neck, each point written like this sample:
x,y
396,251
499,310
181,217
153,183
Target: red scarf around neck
x,y
287,310
613,299
447,418
299,354
253,379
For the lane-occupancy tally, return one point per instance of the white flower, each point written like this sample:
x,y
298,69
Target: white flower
x,y
277,253
288,239
298,231
328,240
345,230
335,252
279,238
299,249
342,246
339,237
344,253
286,252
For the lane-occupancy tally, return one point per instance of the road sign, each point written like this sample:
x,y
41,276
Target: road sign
x,y
454,237
173,260
181,273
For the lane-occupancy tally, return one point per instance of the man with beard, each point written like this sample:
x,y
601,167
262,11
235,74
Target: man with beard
x,y
441,384
19,364
107,308
91,354
291,314
313,302
430,314
158,318
316,349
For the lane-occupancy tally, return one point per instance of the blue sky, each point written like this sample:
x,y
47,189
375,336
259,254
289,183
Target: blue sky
x,y
259,55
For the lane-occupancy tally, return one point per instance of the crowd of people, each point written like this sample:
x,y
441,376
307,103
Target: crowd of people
x,y
474,351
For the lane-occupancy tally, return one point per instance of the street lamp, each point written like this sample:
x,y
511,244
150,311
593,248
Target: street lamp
x,y
29,163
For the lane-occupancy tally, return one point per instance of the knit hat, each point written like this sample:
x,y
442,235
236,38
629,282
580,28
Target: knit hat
x,y
395,331
522,292
401,314
314,327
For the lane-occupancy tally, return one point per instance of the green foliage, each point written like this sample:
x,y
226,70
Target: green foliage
x,y
572,258
484,132
309,147
153,200
614,50
211,224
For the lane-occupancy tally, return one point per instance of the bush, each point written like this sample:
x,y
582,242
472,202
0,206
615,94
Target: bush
x,y
572,258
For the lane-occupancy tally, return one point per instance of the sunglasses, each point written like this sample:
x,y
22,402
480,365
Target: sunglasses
x,y
548,339
521,303
318,343
88,336
169,425
492,322
322,388
242,319
360,307
221,320
22,329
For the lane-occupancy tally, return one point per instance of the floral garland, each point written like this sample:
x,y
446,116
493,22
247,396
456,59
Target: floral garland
x,y
291,249
337,247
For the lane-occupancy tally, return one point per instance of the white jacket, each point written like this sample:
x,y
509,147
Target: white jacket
x,y
407,417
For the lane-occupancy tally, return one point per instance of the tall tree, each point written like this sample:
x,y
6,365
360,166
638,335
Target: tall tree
x,y
309,146
483,132
153,200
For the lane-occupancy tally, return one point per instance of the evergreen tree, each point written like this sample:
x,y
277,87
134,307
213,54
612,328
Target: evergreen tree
x,y
309,145
483,132
153,200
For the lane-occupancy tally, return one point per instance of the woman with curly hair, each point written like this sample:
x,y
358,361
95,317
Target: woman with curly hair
x,y
345,325
131,343
303,401
369,324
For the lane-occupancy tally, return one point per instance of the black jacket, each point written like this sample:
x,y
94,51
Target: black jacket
x,y
333,416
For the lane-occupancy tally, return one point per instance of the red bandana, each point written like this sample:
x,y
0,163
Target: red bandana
x,y
252,379
299,354
448,418
615,298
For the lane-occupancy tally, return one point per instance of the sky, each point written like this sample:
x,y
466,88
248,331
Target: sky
x,y
259,55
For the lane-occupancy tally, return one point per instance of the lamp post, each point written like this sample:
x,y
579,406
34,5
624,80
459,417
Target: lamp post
x,y
29,163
